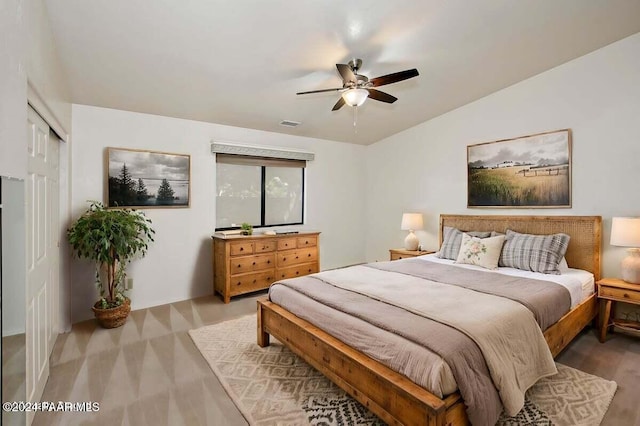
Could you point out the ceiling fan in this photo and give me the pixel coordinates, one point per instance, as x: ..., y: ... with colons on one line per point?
x: 356, y: 88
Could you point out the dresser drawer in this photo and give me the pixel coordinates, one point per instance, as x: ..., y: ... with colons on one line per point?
x: 295, y: 257
x: 241, y: 265
x: 297, y: 271
x: 620, y: 294
x: 246, y: 283
x: 241, y: 248
x: 264, y: 246
x: 303, y: 242
x: 287, y: 243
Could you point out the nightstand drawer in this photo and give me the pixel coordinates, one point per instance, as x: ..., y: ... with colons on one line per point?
x: 621, y: 294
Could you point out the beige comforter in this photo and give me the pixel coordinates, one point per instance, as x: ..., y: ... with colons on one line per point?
x: 511, y: 341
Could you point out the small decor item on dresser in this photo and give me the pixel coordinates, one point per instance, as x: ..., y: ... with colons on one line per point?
x: 625, y: 232
x: 247, y: 229
x: 411, y: 222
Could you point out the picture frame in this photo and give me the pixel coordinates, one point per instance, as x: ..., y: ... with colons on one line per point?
x: 532, y: 171
x: 147, y: 179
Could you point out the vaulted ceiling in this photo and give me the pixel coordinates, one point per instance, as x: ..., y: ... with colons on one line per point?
x: 241, y: 62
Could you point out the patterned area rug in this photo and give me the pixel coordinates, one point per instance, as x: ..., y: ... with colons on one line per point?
x: 274, y: 386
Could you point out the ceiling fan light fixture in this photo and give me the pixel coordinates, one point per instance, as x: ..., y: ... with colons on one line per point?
x: 355, y: 97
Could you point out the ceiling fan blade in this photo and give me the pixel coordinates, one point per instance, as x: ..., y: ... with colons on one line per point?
x: 346, y: 73
x: 319, y: 91
x: 394, y: 78
x: 338, y: 104
x: 381, y: 96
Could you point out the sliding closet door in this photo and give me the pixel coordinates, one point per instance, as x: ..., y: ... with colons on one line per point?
x: 42, y: 246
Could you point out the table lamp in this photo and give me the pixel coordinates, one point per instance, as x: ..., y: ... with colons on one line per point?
x: 625, y: 232
x: 411, y: 222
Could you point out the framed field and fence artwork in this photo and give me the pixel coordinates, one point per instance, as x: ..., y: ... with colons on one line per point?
x: 526, y: 172
x: 147, y: 179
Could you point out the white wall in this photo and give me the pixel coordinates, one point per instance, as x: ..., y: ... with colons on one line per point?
x: 597, y: 96
x: 28, y: 54
x: 178, y: 264
x: 13, y: 260
x: 28, y: 59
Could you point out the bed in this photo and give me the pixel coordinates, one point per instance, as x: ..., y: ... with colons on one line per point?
x: 391, y: 395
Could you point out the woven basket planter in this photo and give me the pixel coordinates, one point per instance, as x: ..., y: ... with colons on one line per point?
x: 113, y: 317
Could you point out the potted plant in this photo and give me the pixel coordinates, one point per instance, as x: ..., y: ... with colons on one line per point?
x: 247, y: 229
x: 111, y: 238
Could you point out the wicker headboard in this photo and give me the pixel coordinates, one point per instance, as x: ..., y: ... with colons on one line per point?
x: 585, y: 232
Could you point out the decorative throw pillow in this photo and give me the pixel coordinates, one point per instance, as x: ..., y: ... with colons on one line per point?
x: 483, y: 252
x: 537, y: 253
x: 451, y: 240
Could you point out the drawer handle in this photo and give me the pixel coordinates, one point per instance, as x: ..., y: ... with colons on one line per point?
x: 268, y: 261
x: 268, y: 278
x: 309, y: 255
x: 309, y: 270
x: 296, y: 257
x: 284, y: 259
x: 254, y: 263
x: 286, y: 245
x: 239, y: 283
x: 282, y: 275
x: 254, y: 281
x: 297, y: 272
x: 239, y: 265
x: 241, y: 248
x: 625, y: 295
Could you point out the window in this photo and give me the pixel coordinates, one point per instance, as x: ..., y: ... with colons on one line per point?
x: 259, y: 191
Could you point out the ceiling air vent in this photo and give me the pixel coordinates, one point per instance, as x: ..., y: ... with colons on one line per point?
x: 289, y: 123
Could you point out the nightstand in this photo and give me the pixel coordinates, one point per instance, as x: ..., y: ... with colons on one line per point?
x: 612, y: 290
x: 395, y: 254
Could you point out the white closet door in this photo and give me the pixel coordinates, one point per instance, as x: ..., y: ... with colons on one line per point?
x: 42, y: 255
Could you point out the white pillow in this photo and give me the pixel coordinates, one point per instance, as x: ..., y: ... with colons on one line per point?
x: 563, y: 266
x: 483, y: 252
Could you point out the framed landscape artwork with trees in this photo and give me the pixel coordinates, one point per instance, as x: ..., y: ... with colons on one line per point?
x: 147, y: 179
x: 526, y: 172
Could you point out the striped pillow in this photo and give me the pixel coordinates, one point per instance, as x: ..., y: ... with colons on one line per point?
x: 537, y: 253
x: 452, y: 239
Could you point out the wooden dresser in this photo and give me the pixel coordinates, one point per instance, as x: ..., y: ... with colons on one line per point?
x: 243, y: 264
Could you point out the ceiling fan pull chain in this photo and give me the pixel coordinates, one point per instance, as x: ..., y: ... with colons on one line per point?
x: 355, y: 119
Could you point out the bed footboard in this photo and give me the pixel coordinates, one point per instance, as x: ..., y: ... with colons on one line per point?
x: 388, y: 394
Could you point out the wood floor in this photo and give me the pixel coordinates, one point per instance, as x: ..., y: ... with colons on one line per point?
x: 149, y: 371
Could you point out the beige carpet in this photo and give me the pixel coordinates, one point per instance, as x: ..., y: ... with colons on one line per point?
x: 273, y: 386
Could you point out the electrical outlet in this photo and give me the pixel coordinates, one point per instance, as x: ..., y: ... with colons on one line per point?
x: 129, y: 283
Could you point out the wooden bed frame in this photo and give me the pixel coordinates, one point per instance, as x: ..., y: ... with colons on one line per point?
x: 392, y: 396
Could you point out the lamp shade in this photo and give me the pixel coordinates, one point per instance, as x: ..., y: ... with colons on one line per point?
x: 411, y: 221
x: 625, y: 232
x: 355, y: 97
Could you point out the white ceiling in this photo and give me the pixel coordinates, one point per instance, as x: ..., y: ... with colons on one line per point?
x: 241, y: 62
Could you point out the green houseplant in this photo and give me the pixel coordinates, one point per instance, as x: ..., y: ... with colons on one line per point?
x: 110, y: 238
x: 247, y: 229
